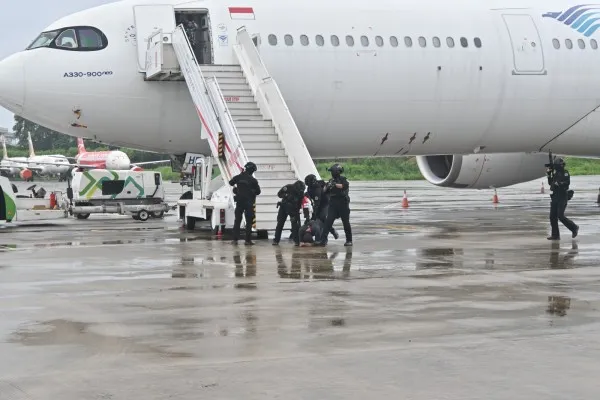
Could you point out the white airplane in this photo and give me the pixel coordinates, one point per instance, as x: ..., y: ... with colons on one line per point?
x: 15, y: 166
x: 478, y: 90
x: 47, y: 165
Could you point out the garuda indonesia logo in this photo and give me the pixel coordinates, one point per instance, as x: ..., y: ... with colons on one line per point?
x: 584, y: 18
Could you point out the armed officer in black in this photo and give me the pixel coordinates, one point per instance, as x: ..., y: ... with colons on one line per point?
x: 559, y: 181
x: 339, y: 203
x: 246, y: 188
x: 315, y: 189
x: 291, y: 196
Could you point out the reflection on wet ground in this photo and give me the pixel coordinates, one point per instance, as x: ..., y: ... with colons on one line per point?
x: 443, y: 300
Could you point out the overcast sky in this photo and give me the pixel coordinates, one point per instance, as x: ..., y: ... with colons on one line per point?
x: 23, y: 20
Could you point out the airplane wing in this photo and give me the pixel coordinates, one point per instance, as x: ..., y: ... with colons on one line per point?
x: 150, y: 162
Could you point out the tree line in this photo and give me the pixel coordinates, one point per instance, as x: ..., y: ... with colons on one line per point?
x: 47, y: 141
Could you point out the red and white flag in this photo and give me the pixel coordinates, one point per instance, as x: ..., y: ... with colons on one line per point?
x: 241, y: 12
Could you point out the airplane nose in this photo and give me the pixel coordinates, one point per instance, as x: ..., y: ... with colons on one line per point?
x: 12, y: 83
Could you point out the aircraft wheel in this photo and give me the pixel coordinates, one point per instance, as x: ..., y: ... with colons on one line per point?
x: 143, y: 215
x: 158, y: 214
x: 190, y: 223
x: 82, y: 216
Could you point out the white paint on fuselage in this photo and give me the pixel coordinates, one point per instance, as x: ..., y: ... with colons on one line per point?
x: 344, y: 99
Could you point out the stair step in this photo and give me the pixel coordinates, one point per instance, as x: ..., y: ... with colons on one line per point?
x: 224, y: 74
x: 221, y: 67
x: 269, y: 162
x: 263, y: 175
x: 245, y: 112
x: 227, y: 86
x: 252, y: 125
x: 235, y: 99
x: 274, y: 167
x: 275, y: 184
x: 261, y: 137
x: 237, y: 92
x: 253, y: 153
x: 222, y: 81
x: 240, y: 105
x: 264, y: 145
x: 257, y: 130
x: 248, y: 118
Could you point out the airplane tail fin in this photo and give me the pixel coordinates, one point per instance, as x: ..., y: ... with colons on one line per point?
x: 80, y: 146
x: 4, y: 152
x: 31, y: 151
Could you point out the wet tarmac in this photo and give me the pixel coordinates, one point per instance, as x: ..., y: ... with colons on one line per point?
x: 452, y: 298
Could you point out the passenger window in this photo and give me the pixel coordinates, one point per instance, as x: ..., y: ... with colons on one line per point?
x: 436, y: 41
x: 304, y: 40
x: 464, y: 42
x: 450, y: 42
x: 273, y: 40
x: 67, y: 39
x: 556, y: 43
x: 335, y: 41
x: 364, y: 40
x: 394, y: 41
x: 90, y: 39
x: 320, y: 41
x: 568, y: 44
x: 289, y: 40
x: 594, y: 44
x: 581, y: 43
x: 477, y: 42
x: 408, y: 41
x: 422, y: 41
x: 379, y: 41
x: 349, y: 40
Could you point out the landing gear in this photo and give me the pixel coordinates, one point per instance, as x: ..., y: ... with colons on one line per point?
x: 82, y: 216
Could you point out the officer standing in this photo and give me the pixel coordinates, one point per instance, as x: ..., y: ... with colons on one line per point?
x: 245, y: 191
x: 339, y: 203
x: 316, y: 192
x: 559, y: 181
x: 291, y: 196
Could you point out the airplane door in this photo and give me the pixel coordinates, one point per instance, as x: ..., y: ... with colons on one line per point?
x: 528, y: 56
x: 148, y: 19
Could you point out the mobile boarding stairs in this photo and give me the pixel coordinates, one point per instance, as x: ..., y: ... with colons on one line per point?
x: 243, y: 117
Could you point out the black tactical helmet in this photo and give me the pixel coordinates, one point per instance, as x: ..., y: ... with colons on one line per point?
x: 336, y: 169
x: 250, y: 167
x: 310, y: 180
x: 300, y: 186
x: 559, y: 161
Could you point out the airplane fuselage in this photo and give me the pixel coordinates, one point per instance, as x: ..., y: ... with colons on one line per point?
x: 438, y: 77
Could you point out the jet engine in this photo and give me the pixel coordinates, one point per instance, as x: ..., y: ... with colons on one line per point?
x: 482, y: 171
x: 26, y: 174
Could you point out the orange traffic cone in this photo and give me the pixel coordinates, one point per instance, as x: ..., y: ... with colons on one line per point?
x: 405, y: 201
x: 542, y: 191
x: 495, y: 199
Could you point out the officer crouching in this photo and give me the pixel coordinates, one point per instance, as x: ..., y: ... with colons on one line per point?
x: 339, y: 203
x: 559, y: 181
x: 291, y: 201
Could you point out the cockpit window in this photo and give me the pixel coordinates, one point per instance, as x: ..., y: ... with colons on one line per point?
x: 43, y: 40
x: 67, y: 39
x: 83, y: 38
x: 90, y: 38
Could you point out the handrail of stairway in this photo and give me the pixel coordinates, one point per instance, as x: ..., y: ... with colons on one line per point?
x: 199, y: 92
x: 273, y: 105
x: 237, y: 157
